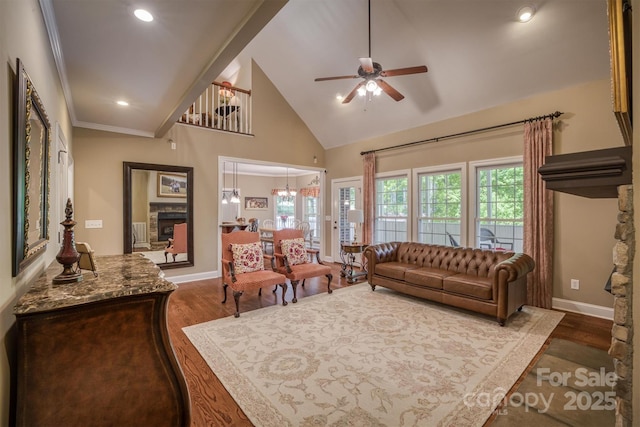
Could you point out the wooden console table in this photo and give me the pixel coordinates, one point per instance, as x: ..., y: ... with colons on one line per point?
x: 97, y: 352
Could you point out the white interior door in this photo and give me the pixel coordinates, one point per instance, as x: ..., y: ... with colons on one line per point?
x: 346, y: 195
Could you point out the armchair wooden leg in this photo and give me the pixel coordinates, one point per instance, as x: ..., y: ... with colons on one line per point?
x: 284, y: 291
x: 330, y: 277
x: 224, y: 287
x: 165, y: 257
x: 260, y: 292
x: 275, y: 288
x: 236, y: 297
x: 294, y: 284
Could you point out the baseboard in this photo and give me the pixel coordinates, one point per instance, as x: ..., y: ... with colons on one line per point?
x: 193, y: 277
x: 583, y: 308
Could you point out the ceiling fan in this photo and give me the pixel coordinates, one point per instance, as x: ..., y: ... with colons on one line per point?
x: 372, y: 72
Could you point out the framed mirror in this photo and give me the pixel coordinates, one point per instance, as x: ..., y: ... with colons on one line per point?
x: 30, y: 173
x: 157, y: 201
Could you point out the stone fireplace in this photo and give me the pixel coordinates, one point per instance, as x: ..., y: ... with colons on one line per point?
x: 607, y: 174
x: 162, y: 217
x: 621, y: 349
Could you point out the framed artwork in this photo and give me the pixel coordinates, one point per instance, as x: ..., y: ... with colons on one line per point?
x: 172, y: 184
x: 620, y: 49
x: 31, y: 172
x: 256, y: 203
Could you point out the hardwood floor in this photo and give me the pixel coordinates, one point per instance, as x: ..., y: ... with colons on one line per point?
x: 200, y: 301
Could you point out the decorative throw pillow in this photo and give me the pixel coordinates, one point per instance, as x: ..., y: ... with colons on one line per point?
x: 294, y: 250
x: 247, y: 257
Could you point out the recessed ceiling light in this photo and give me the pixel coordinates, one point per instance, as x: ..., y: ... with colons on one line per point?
x: 122, y: 103
x: 143, y: 15
x: 339, y: 97
x: 526, y: 13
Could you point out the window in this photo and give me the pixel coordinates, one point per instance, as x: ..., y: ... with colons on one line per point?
x: 285, y: 211
x: 440, y: 201
x: 499, y: 206
x: 347, y: 199
x: 392, y: 208
x: 310, y: 209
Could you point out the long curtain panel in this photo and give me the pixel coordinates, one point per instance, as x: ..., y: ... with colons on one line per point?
x: 538, y: 212
x: 368, y: 196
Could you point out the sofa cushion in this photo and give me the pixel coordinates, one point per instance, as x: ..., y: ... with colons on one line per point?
x: 394, y: 270
x: 425, y: 276
x: 473, y: 286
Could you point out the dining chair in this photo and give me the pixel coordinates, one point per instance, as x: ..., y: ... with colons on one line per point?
x: 243, y: 267
x: 266, y: 233
x: 306, y: 231
x: 295, y: 261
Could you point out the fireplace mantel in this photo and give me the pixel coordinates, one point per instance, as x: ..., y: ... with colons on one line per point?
x: 593, y: 174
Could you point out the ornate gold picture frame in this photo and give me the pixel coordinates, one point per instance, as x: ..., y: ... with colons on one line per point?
x: 620, y: 50
x: 31, y: 172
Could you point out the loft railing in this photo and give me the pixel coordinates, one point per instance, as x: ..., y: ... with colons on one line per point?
x: 221, y: 107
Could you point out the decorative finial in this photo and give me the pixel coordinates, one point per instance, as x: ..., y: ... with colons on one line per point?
x: 68, y: 255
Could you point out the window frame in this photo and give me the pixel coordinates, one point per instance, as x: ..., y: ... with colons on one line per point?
x: 401, y: 173
x: 473, y: 199
x: 452, y: 167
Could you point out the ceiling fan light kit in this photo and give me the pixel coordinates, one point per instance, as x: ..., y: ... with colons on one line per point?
x: 372, y: 72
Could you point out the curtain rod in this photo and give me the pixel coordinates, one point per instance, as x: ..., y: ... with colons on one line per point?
x: 553, y: 115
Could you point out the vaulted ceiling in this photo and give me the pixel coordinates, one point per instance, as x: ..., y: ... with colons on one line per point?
x: 477, y: 53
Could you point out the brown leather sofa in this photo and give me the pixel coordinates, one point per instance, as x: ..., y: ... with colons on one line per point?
x: 485, y: 281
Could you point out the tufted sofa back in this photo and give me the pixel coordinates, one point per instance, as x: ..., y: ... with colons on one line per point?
x: 473, y: 262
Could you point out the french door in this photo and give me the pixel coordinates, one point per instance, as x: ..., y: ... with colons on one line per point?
x: 346, y: 195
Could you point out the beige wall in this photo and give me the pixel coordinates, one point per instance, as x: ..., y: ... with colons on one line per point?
x: 584, y: 228
x: 22, y: 35
x: 99, y: 156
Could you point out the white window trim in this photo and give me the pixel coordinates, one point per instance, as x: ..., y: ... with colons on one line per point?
x: 401, y: 173
x: 473, y: 167
x: 415, y: 197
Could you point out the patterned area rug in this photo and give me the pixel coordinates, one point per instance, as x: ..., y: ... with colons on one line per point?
x: 363, y: 358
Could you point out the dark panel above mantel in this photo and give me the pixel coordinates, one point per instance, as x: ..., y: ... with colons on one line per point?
x: 593, y: 174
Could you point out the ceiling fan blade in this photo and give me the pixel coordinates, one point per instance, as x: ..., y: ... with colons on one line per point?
x: 390, y: 90
x: 322, y: 79
x: 349, y: 97
x: 404, y: 71
x: 367, y: 65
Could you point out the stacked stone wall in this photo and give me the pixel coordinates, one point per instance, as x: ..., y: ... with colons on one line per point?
x: 621, y: 349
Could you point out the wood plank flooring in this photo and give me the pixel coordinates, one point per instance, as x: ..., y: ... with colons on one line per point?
x: 200, y: 301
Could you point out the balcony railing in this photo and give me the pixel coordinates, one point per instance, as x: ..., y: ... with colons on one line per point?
x: 221, y: 107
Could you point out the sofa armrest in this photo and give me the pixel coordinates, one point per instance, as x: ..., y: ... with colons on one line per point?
x: 519, y: 265
x: 511, y: 277
x: 382, y: 252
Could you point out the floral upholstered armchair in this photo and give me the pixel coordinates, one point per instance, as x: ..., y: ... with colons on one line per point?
x: 295, y: 261
x: 243, y: 266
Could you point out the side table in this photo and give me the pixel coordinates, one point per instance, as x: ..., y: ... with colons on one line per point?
x: 348, y: 253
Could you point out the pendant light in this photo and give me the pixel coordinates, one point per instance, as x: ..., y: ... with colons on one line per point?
x: 235, y: 195
x: 225, y: 201
x: 287, y: 193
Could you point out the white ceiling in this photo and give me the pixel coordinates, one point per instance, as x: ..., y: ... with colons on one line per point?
x: 478, y: 56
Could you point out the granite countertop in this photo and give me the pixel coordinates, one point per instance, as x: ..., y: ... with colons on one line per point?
x: 118, y: 276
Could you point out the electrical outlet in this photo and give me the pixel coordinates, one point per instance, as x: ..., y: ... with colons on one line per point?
x: 93, y: 223
x: 575, y: 284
